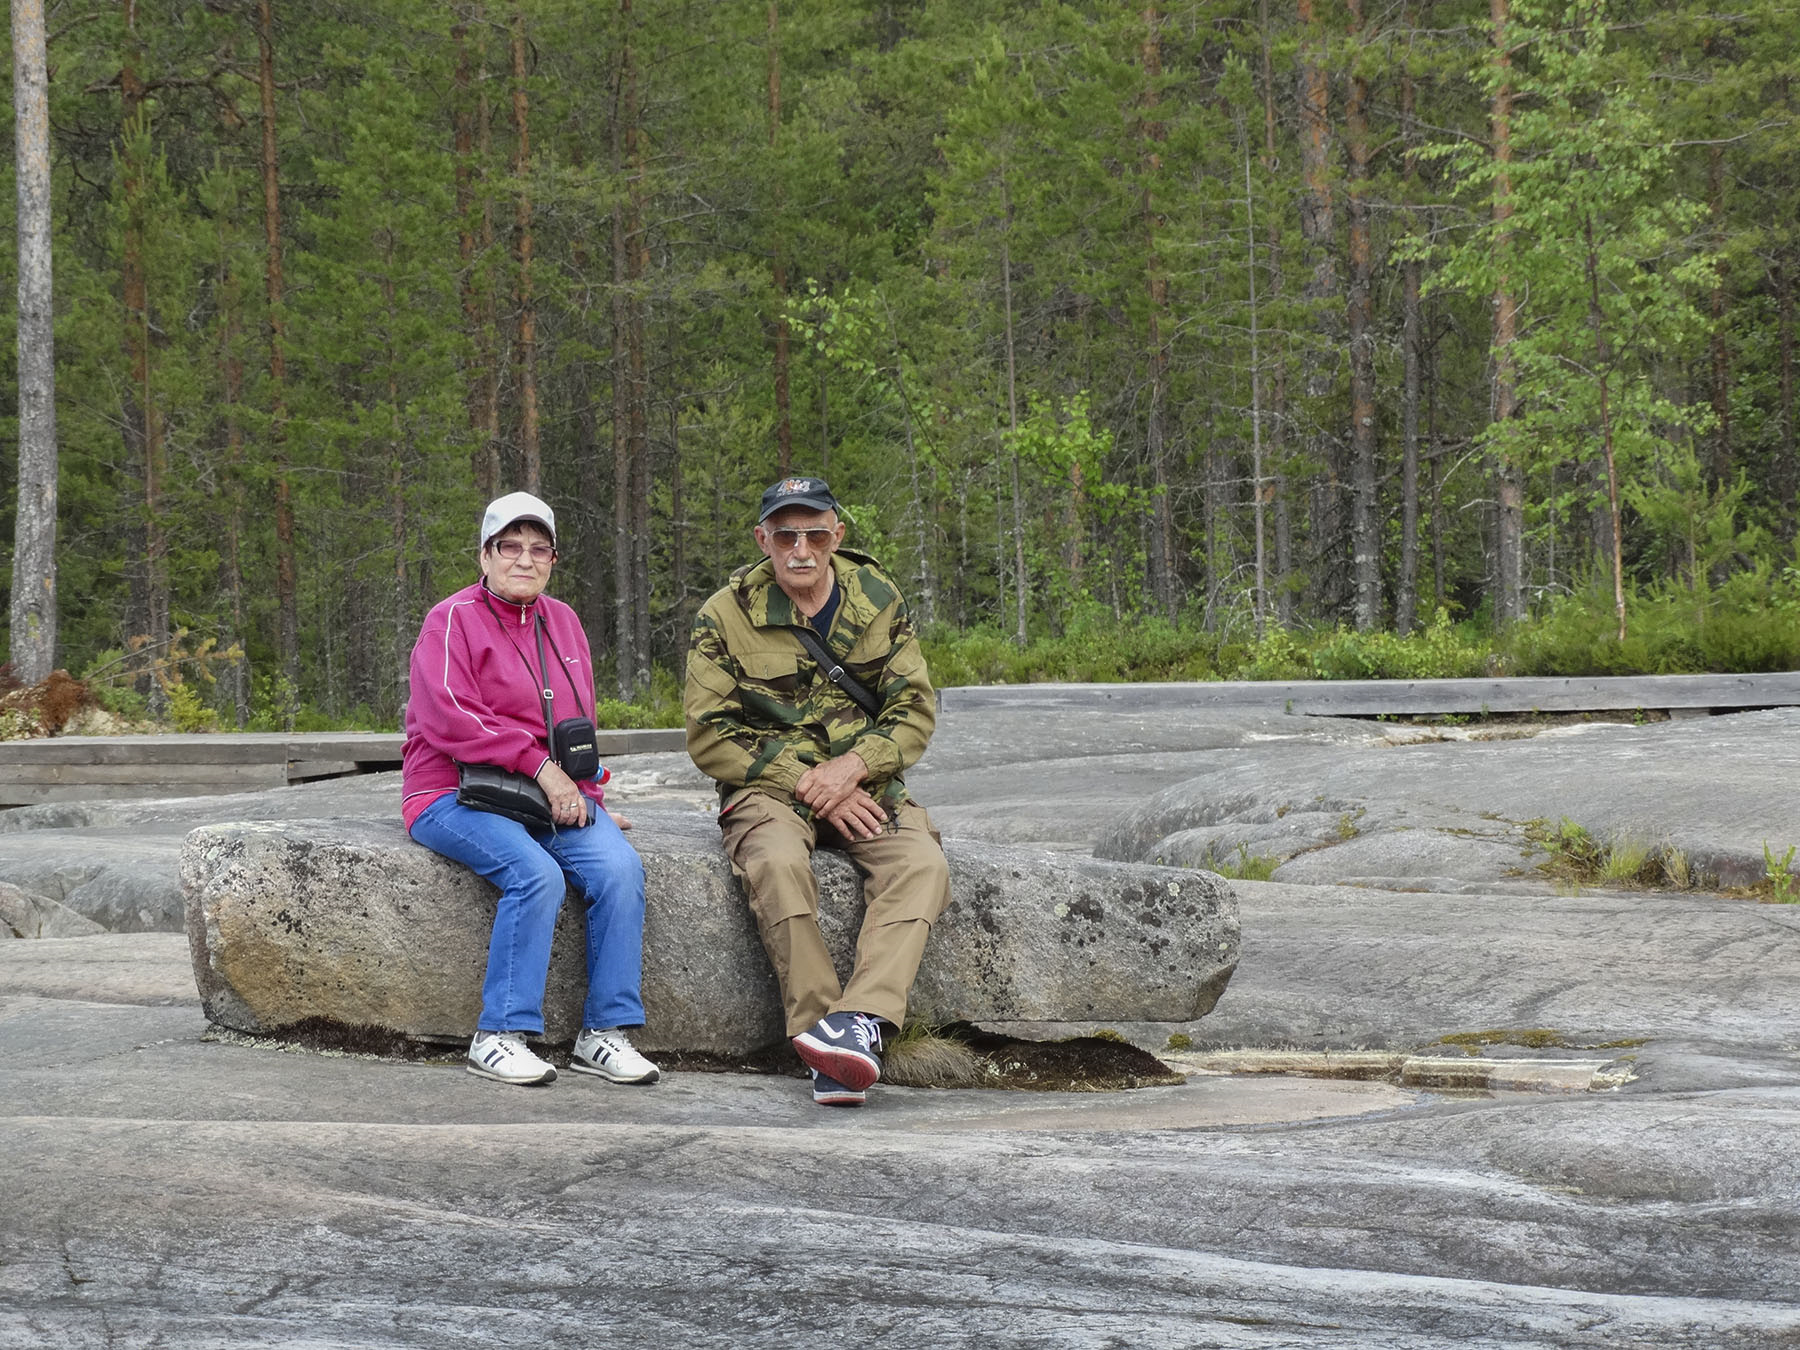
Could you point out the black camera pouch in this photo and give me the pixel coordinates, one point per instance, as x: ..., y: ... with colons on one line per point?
x: 574, y: 746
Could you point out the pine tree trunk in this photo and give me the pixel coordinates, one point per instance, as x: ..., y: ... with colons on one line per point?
x: 1509, y: 477
x: 33, y: 631
x: 482, y: 393
x: 625, y: 653
x: 1077, y: 528
x: 139, y: 416
x: 1020, y: 587
x: 1277, y: 486
x: 401, y: 626
x: 784, y: 430
x: 926, y: 599
x: 1317, y: 229
x: 488, y: 354
x: 1788, y: 479
x: 1720, y: 468
x: 1433, y: 458
x: 640, y: 422
x: 1602, y: 366
x: 287, y: 585
x: 1000, y: 533
x: 595, y: 528
x: 231, y: 366
x: 1365, y: 535
x: 1259, y: 596
x: 1406, y: 584
x: 531, y: 468
x: 637, y: 252
x: 1162, y: 530
x: 677, y: 504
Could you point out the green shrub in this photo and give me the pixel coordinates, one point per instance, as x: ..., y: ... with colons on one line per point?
x: 1750, y: 622
x: 188, y: 711
x: 659, y: 707
x: 1438, y: 651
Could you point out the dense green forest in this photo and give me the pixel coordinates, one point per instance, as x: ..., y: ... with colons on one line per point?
x: 1230, y: 317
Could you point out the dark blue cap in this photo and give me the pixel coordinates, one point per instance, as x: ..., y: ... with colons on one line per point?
x: 810, y: 492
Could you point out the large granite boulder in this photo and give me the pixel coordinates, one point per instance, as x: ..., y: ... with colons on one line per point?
x: 348, y: 924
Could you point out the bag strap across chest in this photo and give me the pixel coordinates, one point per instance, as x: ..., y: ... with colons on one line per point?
x: 834, y: 671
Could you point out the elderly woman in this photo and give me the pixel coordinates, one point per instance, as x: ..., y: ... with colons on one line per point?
x: 483, y: 690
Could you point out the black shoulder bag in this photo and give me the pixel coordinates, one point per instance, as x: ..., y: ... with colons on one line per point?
x: 834, y: 671
x: 573, y: 746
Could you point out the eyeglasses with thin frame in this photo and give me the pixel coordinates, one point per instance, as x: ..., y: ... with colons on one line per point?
x: 512, y: 548
x: 818, y: 539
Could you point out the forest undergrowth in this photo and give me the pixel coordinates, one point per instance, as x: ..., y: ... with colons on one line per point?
x: 1750, y: 623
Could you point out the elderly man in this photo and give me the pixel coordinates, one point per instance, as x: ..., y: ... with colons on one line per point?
x: 808, y: 748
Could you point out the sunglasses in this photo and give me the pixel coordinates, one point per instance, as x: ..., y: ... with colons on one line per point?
x: 815, y: 539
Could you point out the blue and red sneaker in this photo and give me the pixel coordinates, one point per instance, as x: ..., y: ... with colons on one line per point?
x: 845, y: 1046
x: 827, y: 1091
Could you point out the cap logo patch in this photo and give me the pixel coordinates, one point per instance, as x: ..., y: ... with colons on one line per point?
x: 792, y: 485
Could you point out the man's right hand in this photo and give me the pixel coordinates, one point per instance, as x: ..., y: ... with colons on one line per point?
x: 859, y: 816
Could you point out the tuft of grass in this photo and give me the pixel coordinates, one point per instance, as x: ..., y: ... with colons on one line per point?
x: 1575, y: 855
x: 1180, y: 1040
x: 920, y: 1056
x: 1779, y: 876
x: 1246, y: 867
x: 1678, y: 874
x: 1580, y: 859
x: 1627, y: 861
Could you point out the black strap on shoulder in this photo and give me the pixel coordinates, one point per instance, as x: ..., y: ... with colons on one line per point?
x: 835, y: 672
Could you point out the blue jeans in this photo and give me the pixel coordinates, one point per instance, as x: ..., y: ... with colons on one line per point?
x: 529, y: 866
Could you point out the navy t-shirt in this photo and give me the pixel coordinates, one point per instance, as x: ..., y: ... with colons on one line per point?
x: 821, y: 621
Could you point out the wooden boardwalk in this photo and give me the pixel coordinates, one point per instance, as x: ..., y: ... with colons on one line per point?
x: 81, y: 768
x: 1405, y: 698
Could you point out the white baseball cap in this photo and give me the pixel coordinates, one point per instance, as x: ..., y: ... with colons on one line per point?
x: 512, y: 508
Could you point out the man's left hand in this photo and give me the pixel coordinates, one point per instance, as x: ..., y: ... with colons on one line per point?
x: 825, y: 787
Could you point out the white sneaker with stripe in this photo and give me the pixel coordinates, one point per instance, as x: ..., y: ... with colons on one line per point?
x: 503, y: 1056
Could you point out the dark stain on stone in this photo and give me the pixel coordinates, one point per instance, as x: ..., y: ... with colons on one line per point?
x: 1087, y: 908
x: 1080, y: 1064
x: 325, y: 1033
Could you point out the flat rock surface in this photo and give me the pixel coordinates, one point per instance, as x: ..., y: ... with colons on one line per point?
x: 172, y: 1189
x: 1651, y: 979
x: 1718, y: 789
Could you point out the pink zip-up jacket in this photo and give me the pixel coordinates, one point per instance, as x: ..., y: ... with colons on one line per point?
x: 474, y: 697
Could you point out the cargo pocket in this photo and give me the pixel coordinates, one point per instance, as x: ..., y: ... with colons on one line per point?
x: 769, y: 849
x: 909, y: 869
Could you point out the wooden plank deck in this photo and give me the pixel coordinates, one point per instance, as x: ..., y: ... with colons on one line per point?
x: 1404, y: 698
x: 83, y: 768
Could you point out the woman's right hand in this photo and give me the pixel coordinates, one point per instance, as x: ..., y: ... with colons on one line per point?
x: 567, y: 804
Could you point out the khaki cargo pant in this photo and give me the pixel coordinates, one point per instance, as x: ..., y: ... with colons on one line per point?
x: 906, y: 885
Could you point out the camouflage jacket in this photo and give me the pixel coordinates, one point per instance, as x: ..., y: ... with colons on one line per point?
x: 760, y: 712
